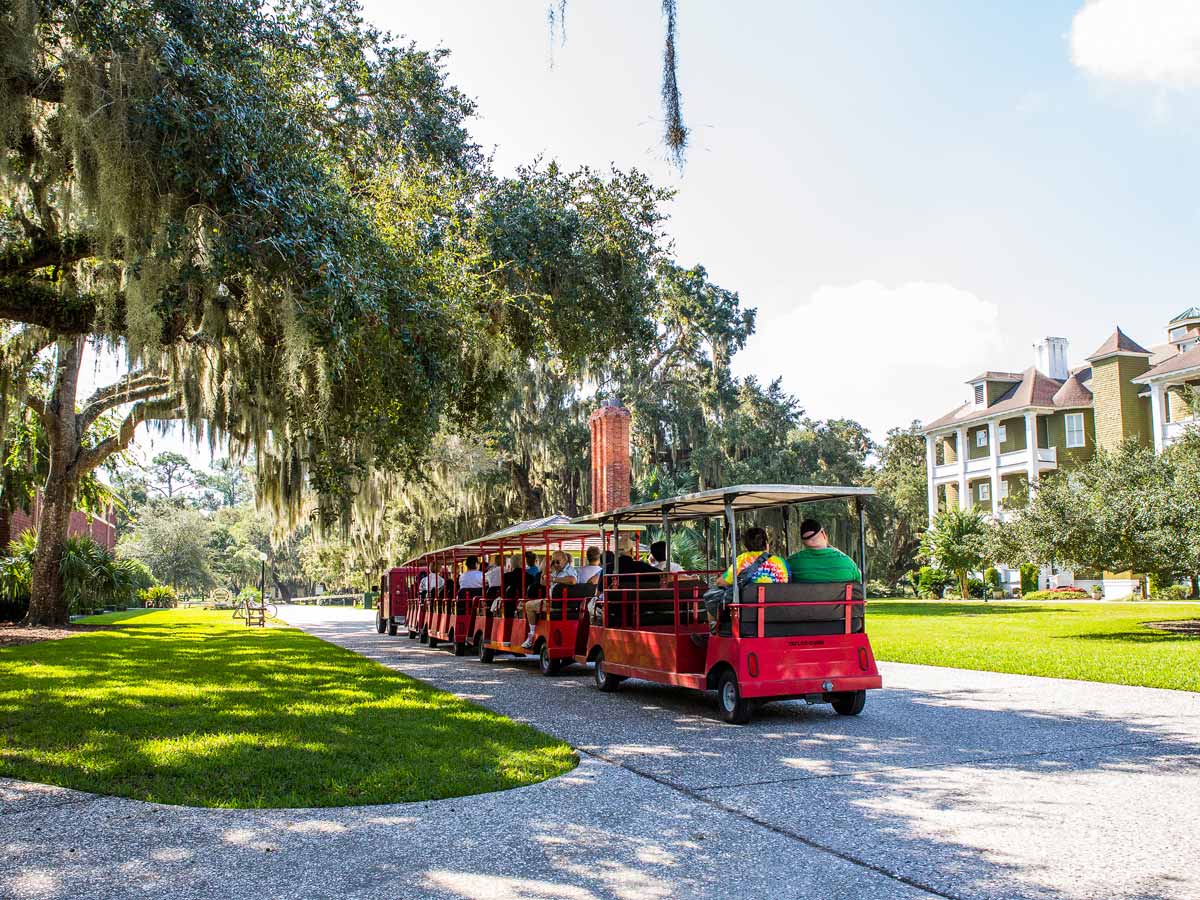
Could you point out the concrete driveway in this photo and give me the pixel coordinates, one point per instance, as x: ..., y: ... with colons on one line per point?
x: 951, y: 784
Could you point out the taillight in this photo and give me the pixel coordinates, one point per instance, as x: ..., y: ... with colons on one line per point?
x: 862, y: 658
x: 752, y: 665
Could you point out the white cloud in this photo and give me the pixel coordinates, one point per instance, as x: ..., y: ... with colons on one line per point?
x: 881, y: 355
x: 1155, y: 42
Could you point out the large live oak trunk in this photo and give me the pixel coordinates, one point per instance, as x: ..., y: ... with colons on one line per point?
x: 48, y: 604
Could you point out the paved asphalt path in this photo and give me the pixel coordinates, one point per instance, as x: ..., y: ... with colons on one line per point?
x: 952, y: 784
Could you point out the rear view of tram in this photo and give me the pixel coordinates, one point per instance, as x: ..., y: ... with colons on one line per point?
x: 769, y: 641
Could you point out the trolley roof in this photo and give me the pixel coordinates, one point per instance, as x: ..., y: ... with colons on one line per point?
x: 532, y: 532
x: 742, y: 497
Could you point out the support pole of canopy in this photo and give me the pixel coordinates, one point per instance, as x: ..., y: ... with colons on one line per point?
x: 787, y: 550
x: 862, y: 541
x: 731, y: 529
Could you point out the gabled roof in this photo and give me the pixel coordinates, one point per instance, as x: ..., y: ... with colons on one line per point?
x: 1192, y: 312
x: 1035, y: 391
x: 1180, y: 362
x: 1119, y: 342
x: 1074, y: 392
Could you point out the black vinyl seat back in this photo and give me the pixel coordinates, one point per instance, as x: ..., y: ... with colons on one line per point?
x: 577, y: 596
x: 462, y: 604
x: 655, y: 607
x: 494, y: 592
x: 826, y: 615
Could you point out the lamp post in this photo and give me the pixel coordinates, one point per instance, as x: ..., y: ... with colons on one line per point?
x: 262, y: 580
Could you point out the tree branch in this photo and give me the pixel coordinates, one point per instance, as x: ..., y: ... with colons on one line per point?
x: 37, y: 302
x: 43, y: 251
x: 156, y: 410
x: 140, y: 385
x: 43, y: 86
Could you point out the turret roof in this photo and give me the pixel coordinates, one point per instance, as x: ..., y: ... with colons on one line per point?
x: 1119, y: 342
x: 1192, y: 312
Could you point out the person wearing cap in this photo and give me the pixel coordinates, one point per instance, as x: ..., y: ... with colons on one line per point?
x: 818, y: 562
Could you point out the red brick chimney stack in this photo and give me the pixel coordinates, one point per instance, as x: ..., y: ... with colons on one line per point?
x: 610, y: 456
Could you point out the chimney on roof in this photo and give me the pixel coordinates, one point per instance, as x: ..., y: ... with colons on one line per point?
x: 1050, y: 358
x: 610, y: 456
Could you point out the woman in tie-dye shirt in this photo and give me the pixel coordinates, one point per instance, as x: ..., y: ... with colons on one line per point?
x: 772, y: 571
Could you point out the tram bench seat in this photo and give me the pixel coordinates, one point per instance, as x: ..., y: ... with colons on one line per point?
x: 462, y: 604
x: 791, y: 621
x: 577, y: 596
x: 656, y: 606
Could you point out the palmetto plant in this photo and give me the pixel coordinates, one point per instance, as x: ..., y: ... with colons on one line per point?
x: 92, y: 576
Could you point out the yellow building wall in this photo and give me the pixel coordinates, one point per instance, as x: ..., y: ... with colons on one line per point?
x: 1119, y: 414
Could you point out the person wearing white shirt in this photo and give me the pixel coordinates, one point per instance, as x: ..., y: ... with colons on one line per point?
x: 560, y: 571
x: 495, y: 573
x: 658, y: 558
x: 590, y: 573
x: 429, y: 582
x: 472, y: 578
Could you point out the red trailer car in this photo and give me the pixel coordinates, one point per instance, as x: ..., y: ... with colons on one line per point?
x: 397, y: 590
x: 773, y: 642
x: 500, y: 625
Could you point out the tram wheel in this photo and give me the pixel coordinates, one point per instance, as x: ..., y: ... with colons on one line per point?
x: 546, y: 665
x: 850, y: 703
x: 424, y: 635
x: 486, y: 653
x: 380, y: 624
x: 411, y: 634
x: 604, y: 681
x: 460, y: 649
x: 391, y: 628
x: 433, y: 642
x: 735, y: 709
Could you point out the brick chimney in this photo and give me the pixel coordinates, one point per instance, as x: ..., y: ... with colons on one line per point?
x: 610, y: 456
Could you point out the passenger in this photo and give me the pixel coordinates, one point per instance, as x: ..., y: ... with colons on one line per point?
x: 773, y: 569
x: 658, y: 558
x: 532, y: 571
x: 560, y: 572
x: 513, y: 580
x: 590, y: 573
x: 635, y: 569
x: 818, y: 562
x: 431, y: 581
x: 472, y: 579
x: 494, y: 575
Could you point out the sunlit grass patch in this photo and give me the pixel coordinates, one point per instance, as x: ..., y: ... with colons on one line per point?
x: 1110, y: 642
x: 189, y: 707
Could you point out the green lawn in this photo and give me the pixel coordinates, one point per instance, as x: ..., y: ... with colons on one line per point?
x: 187, y: 707
x: 1093, y: 642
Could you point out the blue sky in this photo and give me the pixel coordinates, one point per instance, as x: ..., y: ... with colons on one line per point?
x: 908, y: 193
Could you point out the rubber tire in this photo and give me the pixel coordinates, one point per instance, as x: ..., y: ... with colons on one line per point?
x: 486, y: 653
x: 391, y: 628
x: 546, y: 665
x: 424, y: 635
x: 604, y: 681
x: 433, y: 642
x: 380, y: 625
x: 733, y: 707
x: 849, y: 704
x: 460, y: 649
x: 412, y: 635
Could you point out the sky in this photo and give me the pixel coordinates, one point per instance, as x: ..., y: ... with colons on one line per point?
x: 907, y: 193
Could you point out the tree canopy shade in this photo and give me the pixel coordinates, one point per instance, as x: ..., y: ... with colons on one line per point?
x: 278, y: 215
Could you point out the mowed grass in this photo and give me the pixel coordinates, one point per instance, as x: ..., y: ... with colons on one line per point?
x: 188, y: 707
x: 1091, y: 642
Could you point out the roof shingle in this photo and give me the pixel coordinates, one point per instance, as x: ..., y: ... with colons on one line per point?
x: 1119, y: 342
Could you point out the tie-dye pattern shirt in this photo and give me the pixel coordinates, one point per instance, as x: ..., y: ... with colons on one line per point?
x: 773, y: 570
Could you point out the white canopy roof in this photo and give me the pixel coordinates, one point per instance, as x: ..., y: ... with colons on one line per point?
x: 707, y: 504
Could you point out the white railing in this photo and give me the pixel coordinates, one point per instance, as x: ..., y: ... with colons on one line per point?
x: 1173, y: 431
x: 1048, y: 455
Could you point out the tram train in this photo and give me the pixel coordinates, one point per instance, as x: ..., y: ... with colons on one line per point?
x: 772, y: 642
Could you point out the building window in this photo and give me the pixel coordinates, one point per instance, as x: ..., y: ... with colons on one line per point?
x: 978, y: 395
x: 1002, y: 490
x: 981, y: 437
x: 1177, y: 334
x: 1002, y: 433
x: 1074, y: 429
x: 985, y: 491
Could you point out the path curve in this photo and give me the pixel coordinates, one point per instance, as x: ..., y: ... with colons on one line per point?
x: 953, y: 783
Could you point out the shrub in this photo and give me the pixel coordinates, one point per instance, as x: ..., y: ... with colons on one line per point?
x: 1056, y: 594
x: 878, y: 588
x: 976, y: 588
x: 1170, y: 592
x: 932, y: 581
x: 991, y: 577
x: 1029, y: 578
x: 251, y: 593
x: 160, y: 596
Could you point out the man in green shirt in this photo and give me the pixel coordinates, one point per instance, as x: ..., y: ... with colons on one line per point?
x: 818, y: 562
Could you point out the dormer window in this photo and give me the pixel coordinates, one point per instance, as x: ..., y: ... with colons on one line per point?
x: 1178, y: 334
x: 979, y: 394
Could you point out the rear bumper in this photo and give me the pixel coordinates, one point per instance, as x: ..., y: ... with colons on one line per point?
x: 800, y: 687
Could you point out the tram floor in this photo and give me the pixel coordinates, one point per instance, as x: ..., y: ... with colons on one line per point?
x: 952, y: 783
